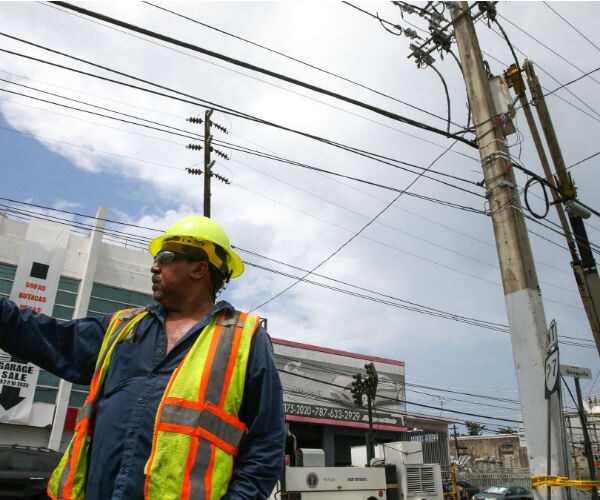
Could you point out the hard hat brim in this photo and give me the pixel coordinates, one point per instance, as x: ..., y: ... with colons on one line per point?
x: 235, y: 264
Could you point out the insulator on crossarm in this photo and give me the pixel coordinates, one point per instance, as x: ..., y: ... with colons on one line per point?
x: 195, y: 147
x: 193, y: 119
x: 221, y: 154
x: 220, y: 127
x: 222, y: 178
x: 194, y: 171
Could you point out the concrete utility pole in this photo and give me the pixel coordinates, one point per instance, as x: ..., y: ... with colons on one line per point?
x: 584, y: 265
x: 526, y: 319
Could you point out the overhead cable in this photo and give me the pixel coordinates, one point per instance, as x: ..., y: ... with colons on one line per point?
x: 195, y: 100
x: 353, y: 237
x: 141, y: 242
x: 572, y: 26
x: 237, y: 62
x: 294, y: 59
x: 568, y: 61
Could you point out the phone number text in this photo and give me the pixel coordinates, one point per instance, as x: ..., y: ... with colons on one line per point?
x: 321, y: 412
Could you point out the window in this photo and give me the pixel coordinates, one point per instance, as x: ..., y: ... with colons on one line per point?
x: 106, y: 299
x: 7, y: 276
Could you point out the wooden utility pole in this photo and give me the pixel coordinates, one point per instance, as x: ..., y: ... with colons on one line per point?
x: 526, y: 319
x: 207, y: 163
x: 584, y: 265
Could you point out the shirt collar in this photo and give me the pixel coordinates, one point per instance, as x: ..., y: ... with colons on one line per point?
x: 159, y: 310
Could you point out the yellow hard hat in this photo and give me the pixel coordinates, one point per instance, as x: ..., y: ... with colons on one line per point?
x: 202, y: 232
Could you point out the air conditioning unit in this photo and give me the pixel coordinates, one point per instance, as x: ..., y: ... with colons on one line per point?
x: 421, y: 481
x: 417, y: 481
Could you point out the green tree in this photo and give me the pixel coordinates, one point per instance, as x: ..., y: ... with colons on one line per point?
x: 474, y: 428
x: 506, y: 430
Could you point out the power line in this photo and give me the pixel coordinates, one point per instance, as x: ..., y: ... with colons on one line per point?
x: 580, y: 33
x: 572, y: 81
x: 398, y: 400
x: 101, y: 115
x: 348, y: 371
x: 568, y: 61
x: 585, y: 159
x: 263, y: 81
x: 371, y: 155
x: 295, y: 60
x: 560, y: 83
x: 89, y: 148
x: 196, y: 101
x: 264, y: 155
x: 353, y: 237
x: 95, y: 113
x: 390, y: 161
x: 561, y: 98
x: 176, y: 129
x: 141, y: 242
x: 237, y: 62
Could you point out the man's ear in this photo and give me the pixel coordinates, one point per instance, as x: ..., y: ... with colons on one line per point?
x: 199, y: 270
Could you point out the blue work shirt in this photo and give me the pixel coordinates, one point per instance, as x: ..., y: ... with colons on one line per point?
x: 137, y: 377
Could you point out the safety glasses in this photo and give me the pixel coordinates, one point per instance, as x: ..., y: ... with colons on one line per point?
x: 167, y: 256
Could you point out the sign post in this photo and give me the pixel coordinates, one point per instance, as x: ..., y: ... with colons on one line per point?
x: 551, y: 378
x: 577, y: 372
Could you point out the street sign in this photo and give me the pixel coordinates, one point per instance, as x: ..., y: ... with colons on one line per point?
x: 552, y: 371
x: 575, y: 371
x: 552, y: 336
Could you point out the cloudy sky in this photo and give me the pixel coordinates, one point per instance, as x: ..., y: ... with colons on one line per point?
x: 394, y: 274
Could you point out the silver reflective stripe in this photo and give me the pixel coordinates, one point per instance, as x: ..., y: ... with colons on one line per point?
x: 205, y: 419
x: 65, y: 473
x: 201, y: 463
x: 216, y: 380
x: 87, y: 411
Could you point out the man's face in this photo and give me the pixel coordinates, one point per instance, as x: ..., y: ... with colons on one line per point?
x: 171, y: 277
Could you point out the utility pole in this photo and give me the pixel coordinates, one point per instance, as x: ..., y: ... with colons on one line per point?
x: 584, y: 265
x: 526, y: 319
x: 208, y: 163
x: 586, y: 438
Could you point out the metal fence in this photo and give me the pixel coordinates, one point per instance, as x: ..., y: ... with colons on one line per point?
x: 435, y: 446
x: 514, y: 477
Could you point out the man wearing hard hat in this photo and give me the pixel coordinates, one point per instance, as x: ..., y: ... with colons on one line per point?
x: 185, y: 400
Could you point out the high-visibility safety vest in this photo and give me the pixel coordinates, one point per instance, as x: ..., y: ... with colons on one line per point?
x: 197, y: 432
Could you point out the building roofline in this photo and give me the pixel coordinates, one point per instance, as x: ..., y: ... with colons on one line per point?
x: 327, y: 350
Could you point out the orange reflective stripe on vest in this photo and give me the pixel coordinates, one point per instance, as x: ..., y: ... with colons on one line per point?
x: 198, y: 415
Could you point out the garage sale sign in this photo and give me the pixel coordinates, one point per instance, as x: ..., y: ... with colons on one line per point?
x: 34, y: 287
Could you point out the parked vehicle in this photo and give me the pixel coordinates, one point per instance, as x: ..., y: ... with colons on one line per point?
x: 504, y: 492
x: 465, y: 490
x: 25, y: 470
